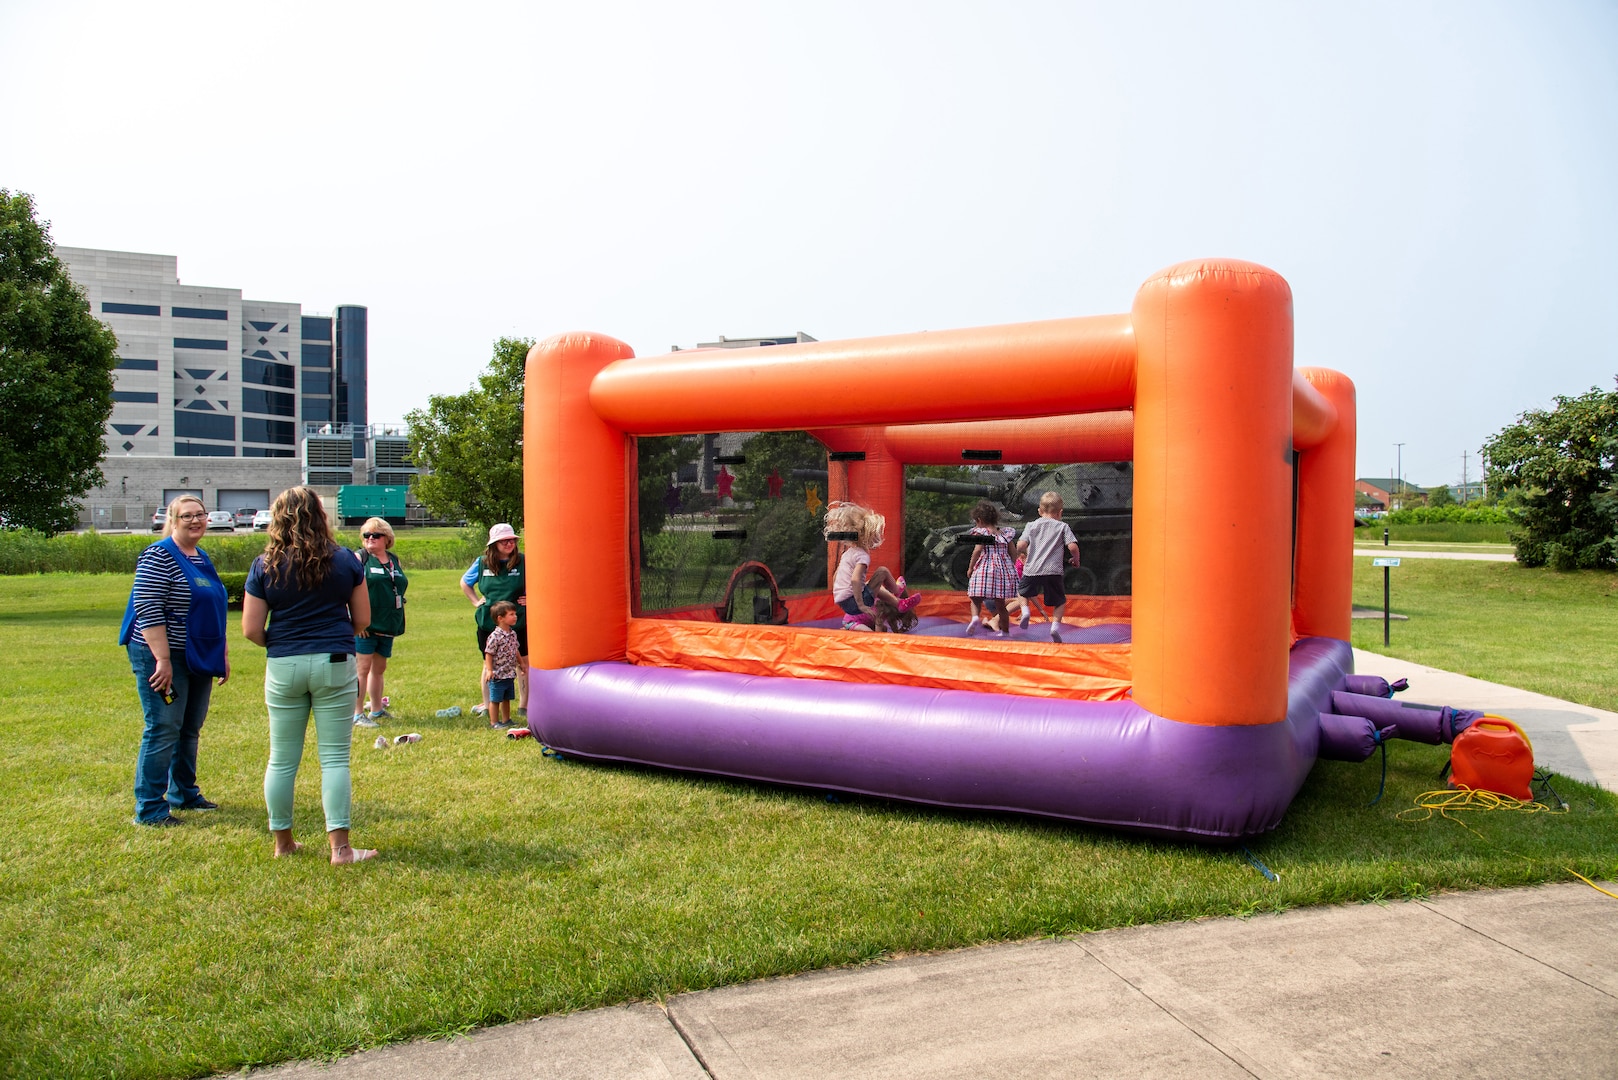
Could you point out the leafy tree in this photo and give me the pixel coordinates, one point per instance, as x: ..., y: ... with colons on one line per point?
x: 1440, y: 496
x: 56, y: 364
x: 1554, y: 469
x: 471, y: 443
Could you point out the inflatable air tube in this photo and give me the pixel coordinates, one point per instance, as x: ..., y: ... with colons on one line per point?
x: 1112, y: 764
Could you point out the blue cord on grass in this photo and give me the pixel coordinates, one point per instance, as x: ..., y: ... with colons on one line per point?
x: 1265, y: 870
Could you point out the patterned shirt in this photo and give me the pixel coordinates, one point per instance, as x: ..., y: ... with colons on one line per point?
x: 163, y: 593
x: 503, y: 653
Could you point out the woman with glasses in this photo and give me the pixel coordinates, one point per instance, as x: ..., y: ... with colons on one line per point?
x: 499, y: 575
x: 174, y: 629
x: 317, y: 595
x: 386, y: 582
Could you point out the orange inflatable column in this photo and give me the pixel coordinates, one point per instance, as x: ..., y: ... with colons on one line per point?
x: 877, y: 483
x: 1213, y: 493
x: 1324, y: 583
x: 574, y: 470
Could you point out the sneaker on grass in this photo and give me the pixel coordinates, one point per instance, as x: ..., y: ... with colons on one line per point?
x: 361, y: 720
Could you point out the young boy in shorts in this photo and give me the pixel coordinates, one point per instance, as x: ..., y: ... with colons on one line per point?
x: 1041, y: 548
x: 501, y: 656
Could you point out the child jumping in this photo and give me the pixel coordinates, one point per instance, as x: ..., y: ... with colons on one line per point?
x: 857, y: 585
x: 1041, y: 546
x: 991, y: 579
x: 501, y: 655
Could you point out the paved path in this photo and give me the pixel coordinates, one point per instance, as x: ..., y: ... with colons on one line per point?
x: 1509, y: 983
x: 1512, y: 983
x: 1406, y: 553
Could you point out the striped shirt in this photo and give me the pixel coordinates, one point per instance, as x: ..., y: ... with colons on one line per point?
x: 163, y: 594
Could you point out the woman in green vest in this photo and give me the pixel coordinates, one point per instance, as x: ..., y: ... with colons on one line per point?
x: 386, y: 582
x: 500, y: 575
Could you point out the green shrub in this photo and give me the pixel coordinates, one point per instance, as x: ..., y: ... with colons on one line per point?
x: 1437, y: 515
x: 90, y: 552
x: 235, y: 588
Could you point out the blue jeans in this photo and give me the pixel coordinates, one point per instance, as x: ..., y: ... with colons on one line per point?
x: 166, y: 770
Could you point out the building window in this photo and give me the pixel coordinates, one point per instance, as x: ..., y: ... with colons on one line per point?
x: 316, y: 355
x: 265, y: 451
x: 139, y: 396
x: 192, y: 425
x: 316, y: 328
x: 108, y: 307
x: 265, y: 374
x: 269, y: 402
x: 317, y: 382
x: 182, y: 449
x: 127, y: 364
x: 200, y: 343
x: 317, y: 409
x: 283, y: 432
x: 199, y: 313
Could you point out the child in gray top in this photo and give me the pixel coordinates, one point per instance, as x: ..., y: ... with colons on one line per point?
x: 1041, y: 548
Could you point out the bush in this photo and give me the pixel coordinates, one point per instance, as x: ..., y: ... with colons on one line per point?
x: 1439, y: 515
x: 235, y: 588
x: 90, y: 552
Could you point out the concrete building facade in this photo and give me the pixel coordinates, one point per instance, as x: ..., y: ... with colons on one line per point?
x: 205, y: 374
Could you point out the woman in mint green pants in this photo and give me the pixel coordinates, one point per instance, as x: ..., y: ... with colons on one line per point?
x: 317, y: 596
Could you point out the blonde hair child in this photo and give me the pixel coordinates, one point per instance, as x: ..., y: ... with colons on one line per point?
x: 857, y: 584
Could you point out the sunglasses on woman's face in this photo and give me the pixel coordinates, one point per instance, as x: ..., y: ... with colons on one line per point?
x: 374, y: 536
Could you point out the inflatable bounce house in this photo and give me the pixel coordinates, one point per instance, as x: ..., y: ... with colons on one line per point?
x: 1193, y: 707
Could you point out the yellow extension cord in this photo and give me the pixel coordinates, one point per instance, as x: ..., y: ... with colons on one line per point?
x: 1446, y: 800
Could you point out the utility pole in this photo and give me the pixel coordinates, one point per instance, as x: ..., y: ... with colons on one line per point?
x: 1464, y: 488
x: 1399, y: 473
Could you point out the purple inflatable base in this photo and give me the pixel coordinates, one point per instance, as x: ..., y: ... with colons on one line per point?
x: 1110, y: 764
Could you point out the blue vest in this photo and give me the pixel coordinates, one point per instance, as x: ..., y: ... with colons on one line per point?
x: 204, y: 624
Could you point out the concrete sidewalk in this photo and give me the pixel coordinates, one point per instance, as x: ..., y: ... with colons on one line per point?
x: 1507, y: 983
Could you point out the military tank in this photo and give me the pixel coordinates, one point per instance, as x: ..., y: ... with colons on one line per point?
x: 1097, y: 504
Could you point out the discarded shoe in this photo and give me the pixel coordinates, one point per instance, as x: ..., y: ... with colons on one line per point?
x: 412, y: 737
x: 449, y: 713
x: 381, y: 742
x: 519, y: 733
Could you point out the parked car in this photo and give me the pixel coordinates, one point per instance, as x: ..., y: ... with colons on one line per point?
x: 160, y: 518
x: 261, y: 521
x: 245, y: 516
x: 221, y: 521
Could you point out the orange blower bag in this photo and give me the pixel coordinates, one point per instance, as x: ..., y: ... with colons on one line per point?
x: 1494, y: 755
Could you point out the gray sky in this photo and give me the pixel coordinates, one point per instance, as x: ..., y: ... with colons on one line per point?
x: 1437, y: 181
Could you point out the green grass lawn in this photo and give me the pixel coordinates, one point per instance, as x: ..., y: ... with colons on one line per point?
x: 1536, y: 629
x: 511, y: 885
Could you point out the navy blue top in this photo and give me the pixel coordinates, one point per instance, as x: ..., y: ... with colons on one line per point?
x: 304, y: 623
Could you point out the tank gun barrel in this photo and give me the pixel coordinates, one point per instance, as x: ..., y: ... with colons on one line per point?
x: 923, y: 483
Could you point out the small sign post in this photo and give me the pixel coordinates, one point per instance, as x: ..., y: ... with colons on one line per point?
x: 1386, y: 565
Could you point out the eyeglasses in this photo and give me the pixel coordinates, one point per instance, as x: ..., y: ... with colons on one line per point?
x: 373, y: 536
x: 191, y: 517
x: 508, y: 540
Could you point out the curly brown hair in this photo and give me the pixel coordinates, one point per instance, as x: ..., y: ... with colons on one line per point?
x: 301, y: 543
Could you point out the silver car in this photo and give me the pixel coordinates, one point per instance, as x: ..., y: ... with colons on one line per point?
x: 221, y: 521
